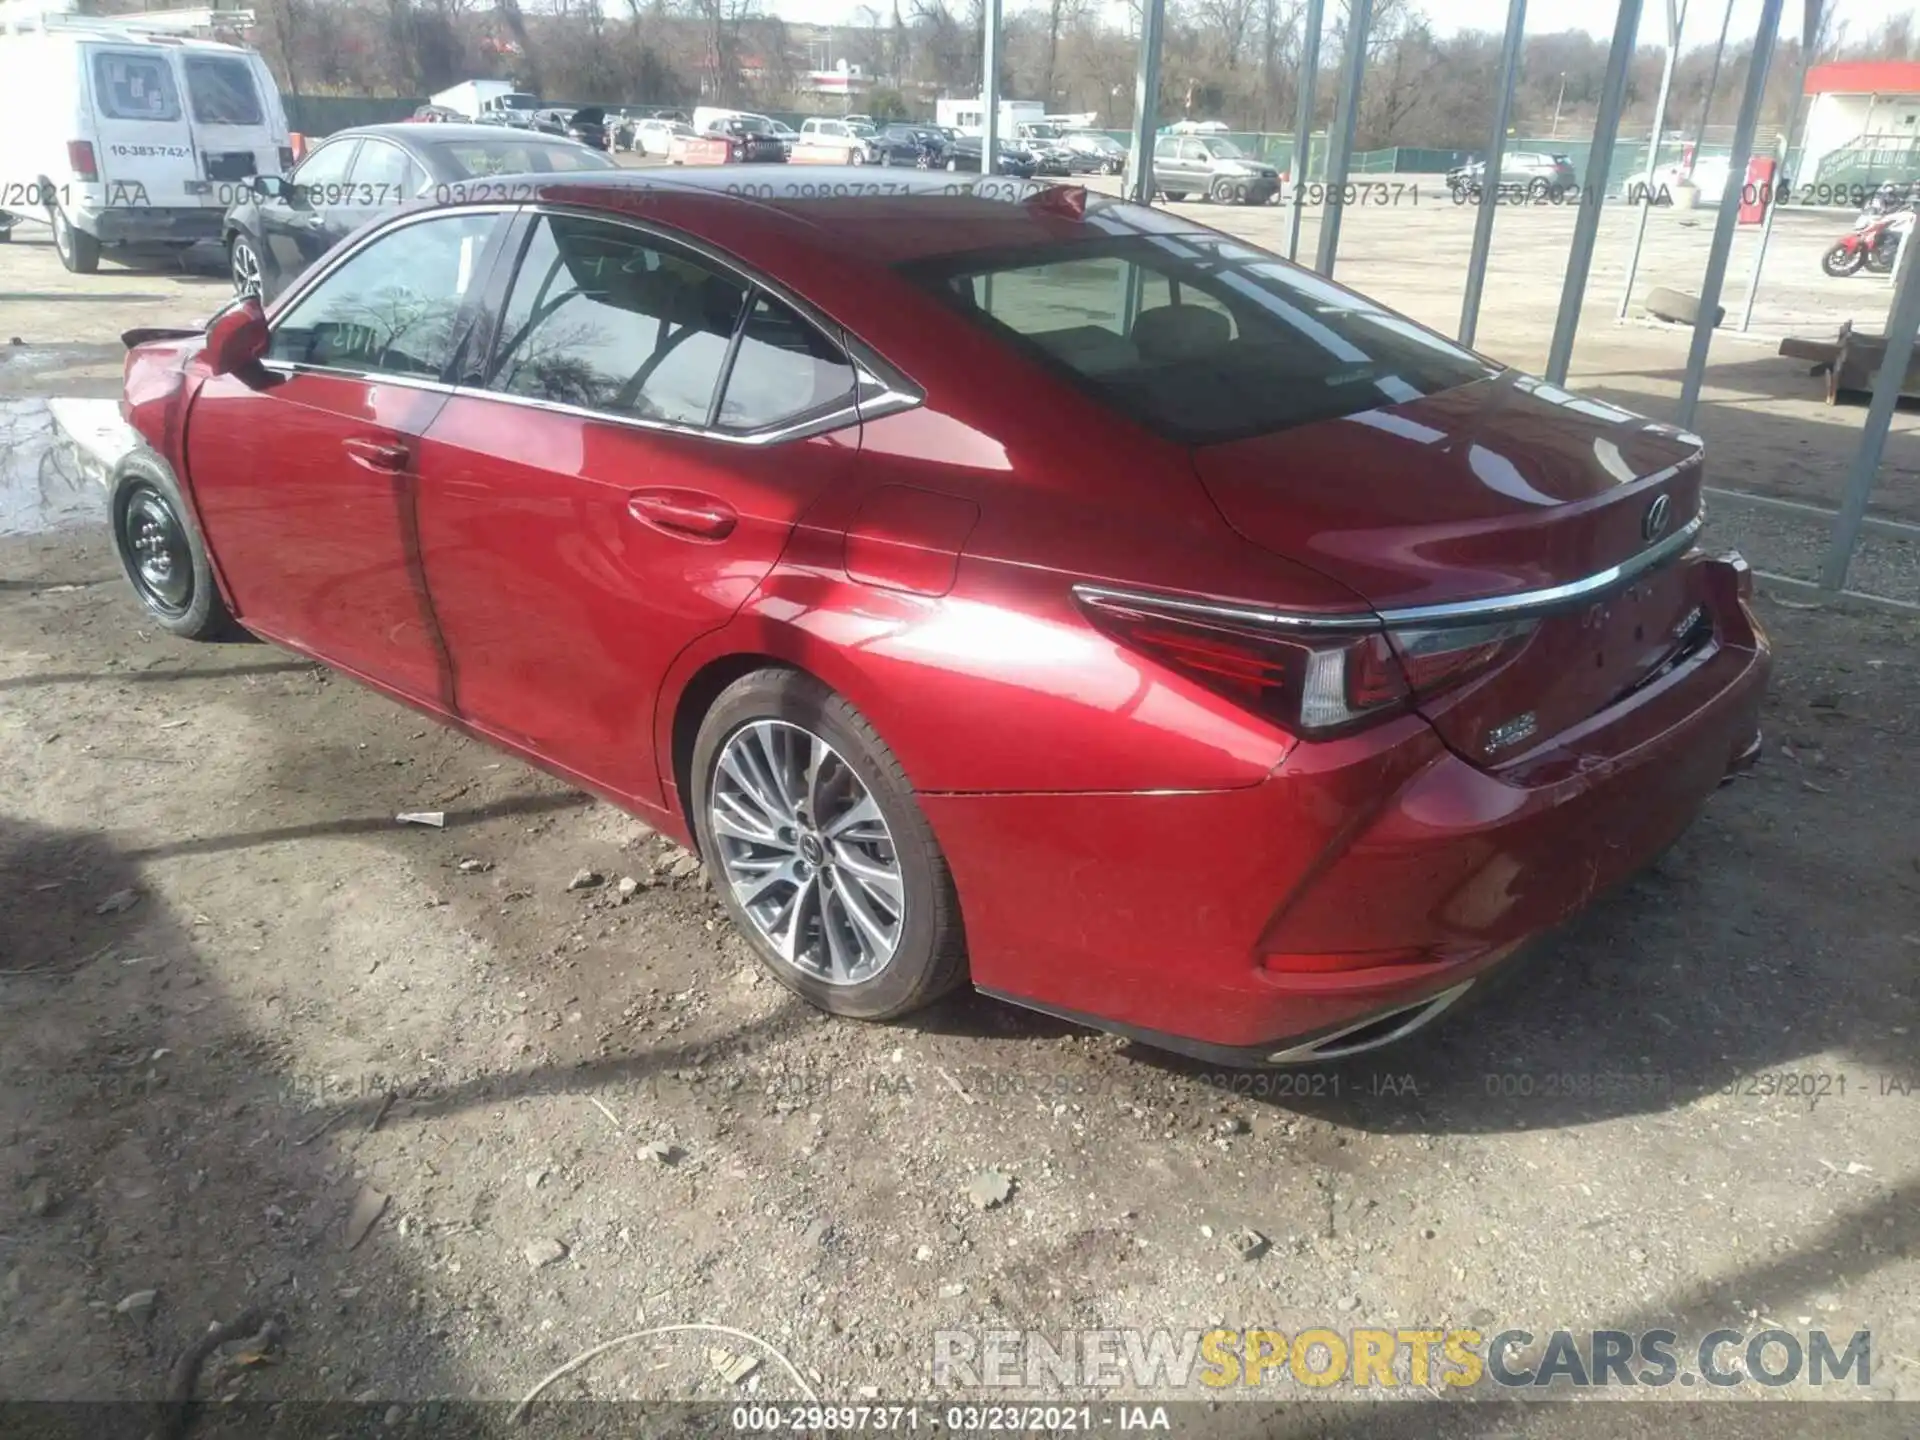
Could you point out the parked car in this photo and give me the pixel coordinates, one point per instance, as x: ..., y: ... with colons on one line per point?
x: 749, y: 141
x: 656, y: 136
x: 1324, y: 656
x: 1052, y: 155
x: 963, y: 153
x: 1207, y: 165
x: 1108, y: 155
x: 1708, y: 176
x: 436, y: 115
x: 285, y: 224
x: 862, y: 142
x: 921, y: 146
x: 113, y: 137
x: 786, y: 135
x: 589, y: 126
x: 1524, y: 172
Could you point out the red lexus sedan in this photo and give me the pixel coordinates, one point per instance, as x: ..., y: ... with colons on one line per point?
x: 995, y: 583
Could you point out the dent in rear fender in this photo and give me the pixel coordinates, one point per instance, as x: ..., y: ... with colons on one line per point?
x: 1010, y: 693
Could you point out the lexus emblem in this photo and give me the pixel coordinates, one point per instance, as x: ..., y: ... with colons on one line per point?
x: 1654, y: 522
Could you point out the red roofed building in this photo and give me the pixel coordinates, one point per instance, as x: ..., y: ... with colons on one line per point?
x: 1865, y: 115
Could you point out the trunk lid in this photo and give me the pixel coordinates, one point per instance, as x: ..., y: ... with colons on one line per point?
x: 1490, y: 490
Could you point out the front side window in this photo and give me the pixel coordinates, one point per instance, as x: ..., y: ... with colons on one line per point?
x: 394, y: 307
x: 130, y: 86
x: 1199, y: 337
x: 223, y: 91
x: 607, y: 318
x: 326, y: 166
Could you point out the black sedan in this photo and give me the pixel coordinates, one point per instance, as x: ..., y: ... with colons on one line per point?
x: 920, y: 146
x: 747, y: 143
x: 286, y: 222
x: 964, y: 154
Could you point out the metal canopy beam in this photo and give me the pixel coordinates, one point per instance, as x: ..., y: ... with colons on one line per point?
x: 1729, y: 211
x: 1303, y: 116
x: 1340, y: 142
x: 990, y: 92
x: 1139, y: 186
x: 1675, y: 19
x: 1593, y: 189
x: 1809, y: 37
x: 1490, y: 175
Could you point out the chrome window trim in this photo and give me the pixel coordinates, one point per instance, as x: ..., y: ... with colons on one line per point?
x: 334, y: 259
x: 372, y: 377
x: 1527, y: 604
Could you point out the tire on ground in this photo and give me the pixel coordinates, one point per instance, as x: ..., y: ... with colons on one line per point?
x: 205, y: 616
x: 930, y: 958
x: 1666, y: 303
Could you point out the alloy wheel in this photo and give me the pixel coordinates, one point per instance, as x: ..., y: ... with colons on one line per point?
x: 246, y: 268
x: 807, y: 852
x: 162, y: 559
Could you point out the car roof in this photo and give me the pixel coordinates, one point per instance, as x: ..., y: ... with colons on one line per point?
x: 443, y: 133
x: 910, y: 215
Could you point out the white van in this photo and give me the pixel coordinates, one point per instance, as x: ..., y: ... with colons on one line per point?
x: 115, y: 135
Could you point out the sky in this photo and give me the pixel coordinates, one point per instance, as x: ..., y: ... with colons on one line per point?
x: 1701, y: 25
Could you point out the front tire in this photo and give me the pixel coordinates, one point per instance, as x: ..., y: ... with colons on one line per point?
x: 243, y: 265
x: 163, y: 553
x: 819, y: 851
x: 1841, y: 262
x: 78, y: 251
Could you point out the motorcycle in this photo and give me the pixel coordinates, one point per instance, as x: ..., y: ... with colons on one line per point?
x: 1872, y: 244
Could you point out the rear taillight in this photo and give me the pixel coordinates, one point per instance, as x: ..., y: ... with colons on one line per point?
x: 1315, y: 679
x: 80, y: 160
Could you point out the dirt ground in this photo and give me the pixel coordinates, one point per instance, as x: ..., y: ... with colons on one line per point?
x: 455, y: 1122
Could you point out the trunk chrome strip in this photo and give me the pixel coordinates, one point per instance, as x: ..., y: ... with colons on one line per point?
x: 1524, y: 604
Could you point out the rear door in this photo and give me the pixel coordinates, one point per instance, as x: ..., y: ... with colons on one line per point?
x: 383, y: 178
x: 143, y: 140
x: 234, y: 112
x: 587, y: 507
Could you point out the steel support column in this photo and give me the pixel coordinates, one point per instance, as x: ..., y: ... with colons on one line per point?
x: 1729, y: 211
x: 990, y: 92
x: 1303, y: 115
x: 1902, y: 324
x: 1593, y: 189
x: 1808, y: 37
x: 1490, y: 173
x: 1346, y: 121
x: 1713, y: 81
x: 1139, y: 185
x: 1675, y: 19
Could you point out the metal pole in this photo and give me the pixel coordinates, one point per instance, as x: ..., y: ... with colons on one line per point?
x: 1303, y: 116
x: 1593, y: 189
x: 1901, y: 327
x: 1713, y: 79
x: 1758, y: 65
x: 1675, y: 19
x: 1490, y: 175
x: 990, y: 93
x: 1146, y: 103
x: 1346, y: 121
x: 1807, y: 40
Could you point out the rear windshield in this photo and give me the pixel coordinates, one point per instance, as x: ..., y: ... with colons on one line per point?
x: 222, y: 90
x: 467, y: 159
x: 1197, y: 336
x: 134, y: 87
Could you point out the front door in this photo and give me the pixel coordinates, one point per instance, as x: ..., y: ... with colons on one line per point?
x: 298, y: 226
x: 588, y: 509
x: 303, y: 469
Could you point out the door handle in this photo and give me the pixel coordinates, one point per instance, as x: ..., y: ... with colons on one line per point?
x: 687, y: 513
x: 316, y: 220
x: 377, y: 455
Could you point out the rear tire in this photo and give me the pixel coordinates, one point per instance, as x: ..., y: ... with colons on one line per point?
x: 1841, y: 262
x: 784, y: 708
x: 163, y: 554
x: 78, y: 251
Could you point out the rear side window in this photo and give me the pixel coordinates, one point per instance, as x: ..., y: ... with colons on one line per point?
x: 782, y: 369
x: 607, y: 318
x: 130, y: 86
x: 469, y: 159
x: 1199, y: 337
x: 223, y: 91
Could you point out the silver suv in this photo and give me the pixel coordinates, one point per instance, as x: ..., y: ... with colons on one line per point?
x: 1212, y: 166
x: 1522, y: 172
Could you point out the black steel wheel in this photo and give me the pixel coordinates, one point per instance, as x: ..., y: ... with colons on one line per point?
x: 162, y: 552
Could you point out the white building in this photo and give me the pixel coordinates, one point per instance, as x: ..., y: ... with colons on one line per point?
x: 1859, y: 101
x: 967, y: 116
